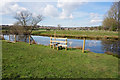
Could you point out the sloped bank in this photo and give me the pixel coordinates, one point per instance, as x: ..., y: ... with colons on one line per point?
x: 21, y: 60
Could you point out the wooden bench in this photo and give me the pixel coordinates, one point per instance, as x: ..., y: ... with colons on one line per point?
x: 59, y: 42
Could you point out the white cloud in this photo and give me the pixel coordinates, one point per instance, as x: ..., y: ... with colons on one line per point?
x: 95, y: 21
x: 3, y: 2
x: 51, y: 11
x: 95, y: 18
x: 67, y: 6
x: 9, y: 6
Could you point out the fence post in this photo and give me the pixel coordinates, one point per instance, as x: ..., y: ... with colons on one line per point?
x: 66, y: 44
x: 53, y: 46
x: 83, y: 45
x: 15, y: 38
x: 29, y: 40
x: 3, y: 37
x: 50, y: 42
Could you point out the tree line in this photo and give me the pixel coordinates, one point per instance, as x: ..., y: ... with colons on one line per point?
x: 112, y: 18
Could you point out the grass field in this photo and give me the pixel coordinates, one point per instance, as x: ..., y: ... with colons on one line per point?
x: 90, y: 34
x: 37, y: 61
x: 76, y: 33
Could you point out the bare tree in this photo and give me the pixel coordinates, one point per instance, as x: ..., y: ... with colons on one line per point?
x: 111, y: 19
x: 113, y: 12
x: 26, y: 22
x: 59, y: 26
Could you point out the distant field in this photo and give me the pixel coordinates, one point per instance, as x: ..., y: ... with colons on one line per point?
x: 37, y: 61
x: 76, y: 33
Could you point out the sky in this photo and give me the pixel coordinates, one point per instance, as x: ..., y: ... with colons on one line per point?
x: 67, y: 14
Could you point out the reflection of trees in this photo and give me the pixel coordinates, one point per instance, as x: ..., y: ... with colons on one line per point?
x: 111, y: 46
x: 12, y: 37
x: 24, y: 38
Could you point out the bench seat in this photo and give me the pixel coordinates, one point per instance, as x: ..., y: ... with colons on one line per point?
x: 58, y: 43
x: 62, y: 45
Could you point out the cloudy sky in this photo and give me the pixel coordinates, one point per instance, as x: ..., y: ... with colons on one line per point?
x: 72, y: 14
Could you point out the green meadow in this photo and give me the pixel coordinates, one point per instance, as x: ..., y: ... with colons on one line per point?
x: 78, y: 33
x: 21, y: 60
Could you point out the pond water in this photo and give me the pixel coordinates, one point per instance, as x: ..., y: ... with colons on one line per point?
x: 97, y: 46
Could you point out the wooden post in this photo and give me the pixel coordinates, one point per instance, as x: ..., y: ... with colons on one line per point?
x: 3, y: 37
x: 55, y: 40
x: 15, y: 38
x: 66, y: 44
x: 53, y: 46
x: 57, y: 48
x: 83, y: 45
x: 55, y: 35
x: 29, y: 40
x: 50, y: 42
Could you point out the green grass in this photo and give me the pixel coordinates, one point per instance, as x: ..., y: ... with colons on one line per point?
x: 37, y: 61
x: 79, y: 33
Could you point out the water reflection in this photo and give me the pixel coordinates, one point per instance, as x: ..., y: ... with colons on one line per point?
x: 111, y: 46
x: 24, y: 38
x: 97, y: 46
x: 93, y: 43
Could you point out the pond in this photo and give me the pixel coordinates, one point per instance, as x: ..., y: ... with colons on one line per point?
x: 97, y: 46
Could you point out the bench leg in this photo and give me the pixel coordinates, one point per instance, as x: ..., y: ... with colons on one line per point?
x: 65, y: 48
x: 53, y: 46
x: 57, y: 48
x: 50, y: 46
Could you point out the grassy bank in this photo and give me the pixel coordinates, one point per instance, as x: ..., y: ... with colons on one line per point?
x: 76, y: 34
x: 79, y: 34
x: 23, y: 60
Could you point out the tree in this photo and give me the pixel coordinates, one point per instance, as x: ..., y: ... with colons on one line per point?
x: 111, y: 19
x: 110, y: 24
x: 59, y: 26
x: 25, y: 22
x: 119, y: 16
x: 99, y: 27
